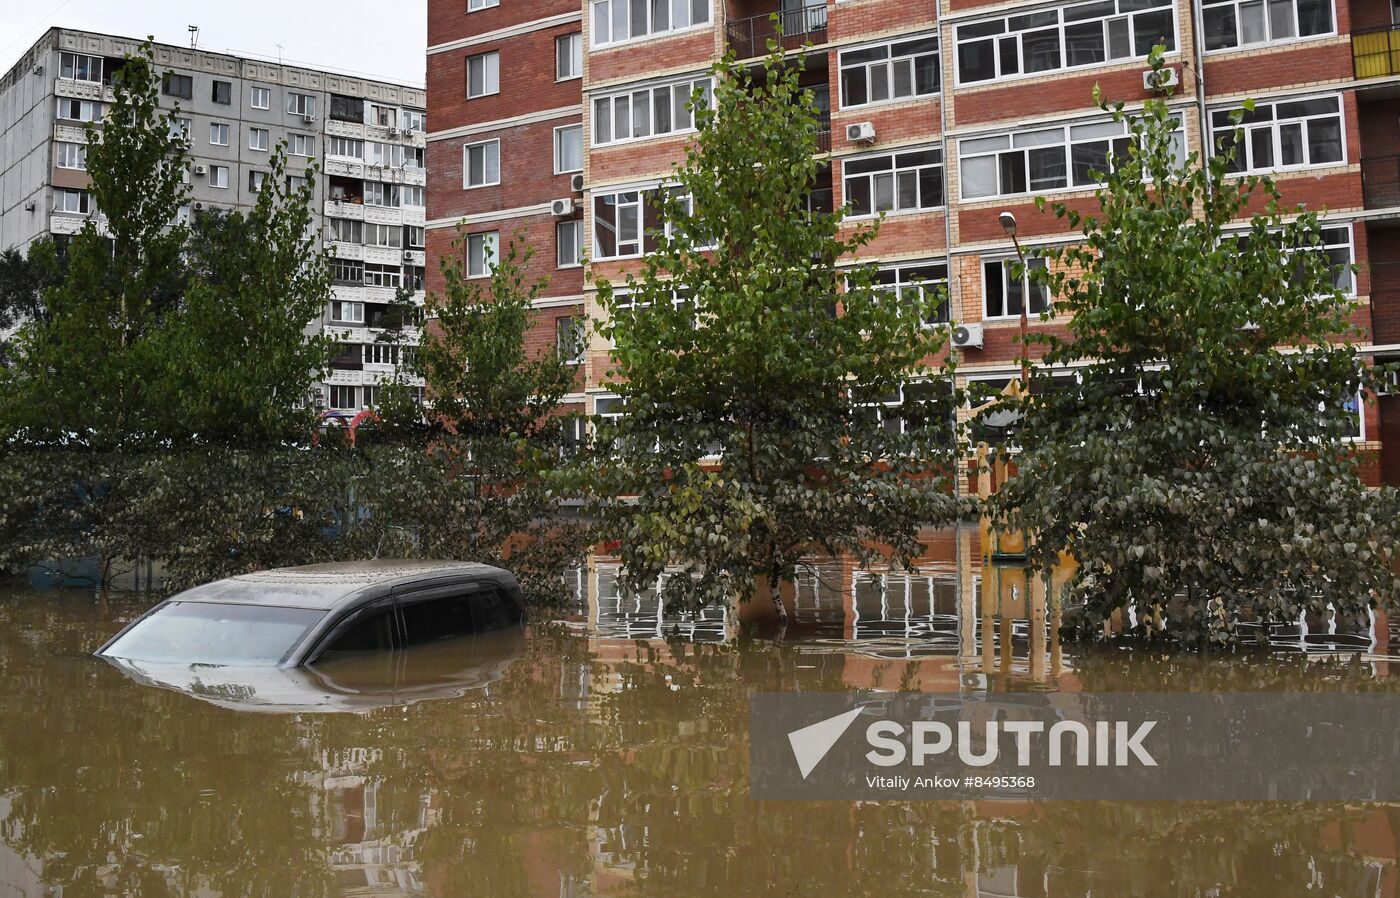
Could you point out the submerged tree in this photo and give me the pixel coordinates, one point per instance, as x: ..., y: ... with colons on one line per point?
x: 1197, y: 463
x: 776, y: 402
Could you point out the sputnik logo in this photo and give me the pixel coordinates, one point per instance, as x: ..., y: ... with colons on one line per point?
x: 811, y: 743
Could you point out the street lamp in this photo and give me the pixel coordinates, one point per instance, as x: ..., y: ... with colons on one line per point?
x: 1008, y: 224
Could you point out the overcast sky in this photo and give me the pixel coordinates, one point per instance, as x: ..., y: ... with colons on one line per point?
x: 383, y: 38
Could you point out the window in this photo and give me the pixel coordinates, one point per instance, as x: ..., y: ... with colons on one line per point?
x: 570, y: 337
x: 481, y: 254
x: 413, y: 120
x: 413, y: 195
x: 218, y: 134
x: 345, y: 147
x: 346, y: 230
x: 173, y: 85
x: 917, y: 286
x: 80, y: 67
x: 343, y: 397
x: 1083, y: 34
x: 384, y: 235
x: 295, y: 183
x: 483, y: 164
x: 1282, y: 135
x: 1336, y: 247
x: 615, y: 21
x: 618, y: 223
x: 222, y: 92
x: 259, y: 139
x: 1240, y: 23
x: 260, y: 97
x: 386, y: 155
x: 347, y: 109
x: 647, y: 112
x: 474, y: 5
x: 412, y: 157
x: 1002, y: 294
x: 71, y: 155
x: 483, y: 74
x: 377, y: 193
x: 445, y: 618
x: 383, y: 276
x: 348, y: 312
x: 1045, y: 158
x: 381, y: 354
x: 180, y: 127
x: 568, y: 149
x: 301, y: 145
x: 66, y: 199
x: 568, y: 57
x: 255, y: 181
x: 383, y: 116
x: 218, y: 176
x: 895, y: 182
x: 569, y: 238
x: 889, y: 72
x: 415, y: 236
x: 79, y: 110
x: 301, y: 104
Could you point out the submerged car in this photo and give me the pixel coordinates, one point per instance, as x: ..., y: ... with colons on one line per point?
x: 294, y: 617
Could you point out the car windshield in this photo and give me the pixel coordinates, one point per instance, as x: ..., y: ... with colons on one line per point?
x: 214, y: 633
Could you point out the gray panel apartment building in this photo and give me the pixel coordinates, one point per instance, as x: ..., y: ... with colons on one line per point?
x: 368, y: 136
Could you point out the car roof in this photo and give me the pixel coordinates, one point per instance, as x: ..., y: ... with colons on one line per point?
x: 327, y: 586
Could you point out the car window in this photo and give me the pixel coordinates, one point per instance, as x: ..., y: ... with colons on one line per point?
x: 434, y: 619
x: 215, y: 633
x: 373, y: 632
x: 494, y: 609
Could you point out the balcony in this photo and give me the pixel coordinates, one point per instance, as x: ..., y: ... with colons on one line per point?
x: 1375, y: 52
x: 1380, y: 181
x: 749, y: 37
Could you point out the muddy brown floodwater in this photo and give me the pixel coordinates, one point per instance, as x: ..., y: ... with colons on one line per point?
x: 603, y: 754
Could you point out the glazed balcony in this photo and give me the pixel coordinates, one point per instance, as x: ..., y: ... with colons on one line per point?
x: 748, y: 37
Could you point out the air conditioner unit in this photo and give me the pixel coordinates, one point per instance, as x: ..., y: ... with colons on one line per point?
x: 576, y: 183
x: 200, y: 169
x: 861, y: 132
x: 309, y: 117
x: 1160, y: 79
x: 29, y: 206
x: 408, y: 255
x: 967, y: 336
x: 393, y: 132
x: 408, y: 132
x: 560, y: 208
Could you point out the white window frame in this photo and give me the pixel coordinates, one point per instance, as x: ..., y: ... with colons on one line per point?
x: 347, y: 312
x: 1026, y: 140
x: 413, y: 120
x: 639, y: 203
x: 575, y: 225
x: 888, y: 64
x: 609, y: 18
x: 256, y: 177
x: 1324, y: 226
x: 1276, y: 144
x: 386, y: 235
x: 906, y: 281
x: 630, y: 96
x: 1059, y: 25
x: 301, y: 145
x: 93, y: 108
x: 226, y: 133
x: 334, y: 143
x: 260, y: 146
x: 69, y: 155
x: 389, y: 193
x: 69, y: 67
x: 479, y: 5
x: 478, y: 243
x: 214, y: 176
x: 558, y: 133
x: 1207, y: 6
x: 490, y: 69
x: 300, y: 104
x: 893, y: 172
x: 414, y: 196
x: 416, y: 238
x: 1005, y: 263
x: 82, y: 204
x: 377, y: 274
x: 336, y: 399
x: 578, y: 330
x: 575, y: 56
x: 485, y: 147
x: 260, y: 98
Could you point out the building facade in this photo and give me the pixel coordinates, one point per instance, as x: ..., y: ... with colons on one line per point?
x: 941, y: 114
x: 367, y: 137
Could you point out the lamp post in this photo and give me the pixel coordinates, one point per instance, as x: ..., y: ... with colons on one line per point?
x: 1008, y: 224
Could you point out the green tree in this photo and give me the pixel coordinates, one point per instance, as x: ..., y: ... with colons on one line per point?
x: 23, y: 279
x: 748, y: 338
x: 1199, y: 464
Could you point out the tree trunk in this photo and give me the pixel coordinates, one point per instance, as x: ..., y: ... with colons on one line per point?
x: 775, y: 592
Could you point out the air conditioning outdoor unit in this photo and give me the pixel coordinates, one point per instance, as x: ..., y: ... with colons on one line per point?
x: 393, y: 132
x: 861, y: 132
x: 199, y: 169
x: 29, y: 206
x: 576, y: 183
x: 1160, y: 79
x: 967, y: 336
x: 560, y: 208
x: 408, y: 255
x: 309, y: 117
x: 408, y: 132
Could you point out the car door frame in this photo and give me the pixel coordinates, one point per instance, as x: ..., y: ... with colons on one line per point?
x: 329, y: 633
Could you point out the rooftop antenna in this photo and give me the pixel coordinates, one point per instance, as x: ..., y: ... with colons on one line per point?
x: 194, y: 35
x: 279, y: 54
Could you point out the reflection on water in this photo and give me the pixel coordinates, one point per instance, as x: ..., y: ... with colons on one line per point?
x: 606, y: 758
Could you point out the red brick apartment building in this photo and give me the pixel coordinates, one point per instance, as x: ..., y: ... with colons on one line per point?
x: 554, y: 117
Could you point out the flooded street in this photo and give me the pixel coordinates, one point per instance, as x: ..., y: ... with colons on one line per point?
x: 603, y: 754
